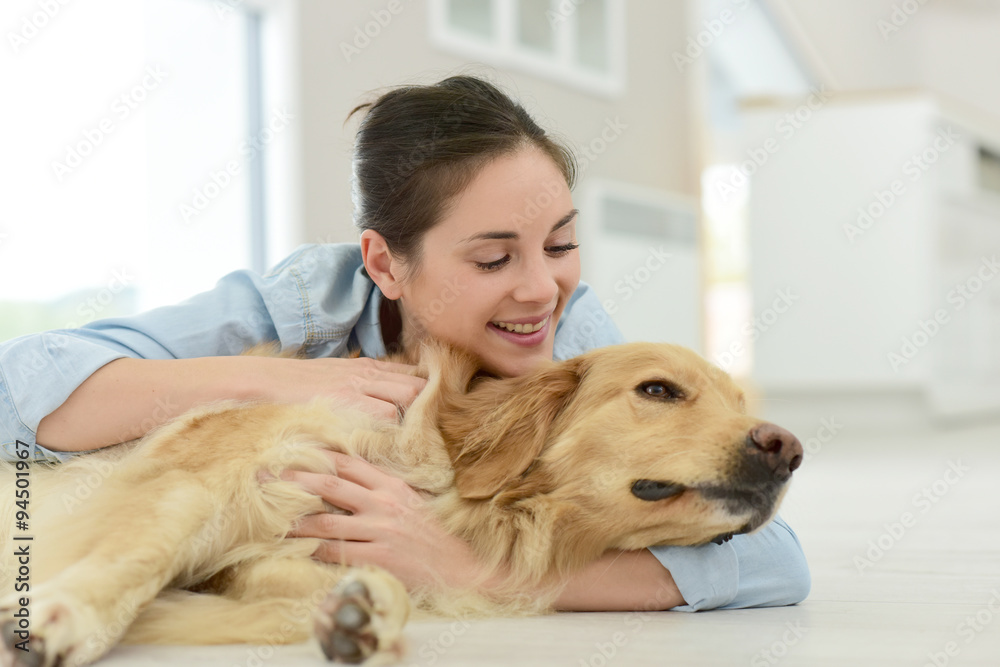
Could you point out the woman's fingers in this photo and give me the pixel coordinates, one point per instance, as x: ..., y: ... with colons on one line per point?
x: 330, y: 526
x: 360, y: 472
x: 390, y: 391
x: 342, y: 552
x: 372, y: 371
x: 395, y: 367
x: 335, y: 490
x: 373, y: 406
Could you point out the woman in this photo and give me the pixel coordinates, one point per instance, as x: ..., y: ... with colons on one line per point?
x: 468, y: 235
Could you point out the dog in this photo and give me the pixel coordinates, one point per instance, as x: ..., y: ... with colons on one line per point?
x: 179, y: 537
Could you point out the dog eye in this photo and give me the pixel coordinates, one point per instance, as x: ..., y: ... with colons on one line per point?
x: 661, y: 389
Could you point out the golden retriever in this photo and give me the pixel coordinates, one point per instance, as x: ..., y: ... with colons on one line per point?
x: 179, y: 538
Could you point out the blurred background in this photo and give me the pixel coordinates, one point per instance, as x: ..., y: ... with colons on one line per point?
x: 805, y: 191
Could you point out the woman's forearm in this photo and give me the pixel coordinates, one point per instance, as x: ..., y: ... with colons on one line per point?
x: 127, y: 397
x: 621, y: 581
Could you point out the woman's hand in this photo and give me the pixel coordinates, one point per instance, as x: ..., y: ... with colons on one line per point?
x: 375, y: 386
x: 389, y: 526
x: 392, y: 528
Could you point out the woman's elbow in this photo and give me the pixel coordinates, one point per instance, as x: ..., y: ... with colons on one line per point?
x: 795, y: 567
x: 799, y: 578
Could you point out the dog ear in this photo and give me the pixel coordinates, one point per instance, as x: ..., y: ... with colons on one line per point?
x: 495, y: 432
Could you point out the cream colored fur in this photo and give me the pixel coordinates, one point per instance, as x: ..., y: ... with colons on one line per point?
x: 180, y: 537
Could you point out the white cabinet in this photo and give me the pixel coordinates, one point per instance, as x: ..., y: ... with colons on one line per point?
x: 880, y: 215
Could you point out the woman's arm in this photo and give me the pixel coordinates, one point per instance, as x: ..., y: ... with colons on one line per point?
x: 127, y: 397
x: 621, y: 581
x: 113, y: 379
x: 765, y: 569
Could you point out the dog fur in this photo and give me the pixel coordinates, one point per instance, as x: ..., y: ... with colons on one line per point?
x: 180, y: 537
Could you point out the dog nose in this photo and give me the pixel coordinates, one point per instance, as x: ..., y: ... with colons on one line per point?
x: 782, y: 451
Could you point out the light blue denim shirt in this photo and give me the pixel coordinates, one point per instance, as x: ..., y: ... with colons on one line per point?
x: 320, y: 298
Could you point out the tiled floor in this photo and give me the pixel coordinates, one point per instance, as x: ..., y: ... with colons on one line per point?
x: 903, y: 536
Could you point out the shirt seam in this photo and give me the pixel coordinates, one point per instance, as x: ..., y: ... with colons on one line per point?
x: 313, y: 333
x: 9, y: 400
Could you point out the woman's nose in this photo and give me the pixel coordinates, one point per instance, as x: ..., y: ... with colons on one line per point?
x: 536, y: 282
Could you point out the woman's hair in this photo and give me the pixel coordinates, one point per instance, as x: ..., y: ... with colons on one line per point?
x: 418, y: 147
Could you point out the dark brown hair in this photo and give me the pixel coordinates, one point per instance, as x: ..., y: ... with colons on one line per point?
x: 418, y: 147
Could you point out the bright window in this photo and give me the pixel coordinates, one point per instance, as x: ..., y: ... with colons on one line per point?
x: 127, y: 183
x: 580, y: 43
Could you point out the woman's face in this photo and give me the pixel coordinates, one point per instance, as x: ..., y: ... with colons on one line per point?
x: 503, y: 258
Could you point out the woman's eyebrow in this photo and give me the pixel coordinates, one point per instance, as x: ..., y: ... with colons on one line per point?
x: 565, y: 220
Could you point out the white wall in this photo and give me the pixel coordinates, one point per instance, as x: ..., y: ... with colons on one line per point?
x: 656, y: 147
x: 655, y: 150
x: 949, y: 47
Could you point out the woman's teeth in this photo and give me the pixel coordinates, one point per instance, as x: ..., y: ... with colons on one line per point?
x: 521, y: 328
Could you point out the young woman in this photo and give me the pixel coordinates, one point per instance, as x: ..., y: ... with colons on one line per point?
x: 468, y: 234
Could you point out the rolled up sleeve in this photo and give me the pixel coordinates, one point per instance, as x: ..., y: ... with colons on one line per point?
x: 38, y: 372
x: 765, y: 569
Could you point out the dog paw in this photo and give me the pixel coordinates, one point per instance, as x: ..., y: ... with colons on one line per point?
x: 361, y: 620
x: 22, y: 643
x: 53, y: 635
x: 16, y: 650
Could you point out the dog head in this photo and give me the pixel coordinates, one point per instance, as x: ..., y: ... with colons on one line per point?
x: 627, y: 446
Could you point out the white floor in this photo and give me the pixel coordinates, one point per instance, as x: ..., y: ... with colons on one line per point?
x: 923, y: 592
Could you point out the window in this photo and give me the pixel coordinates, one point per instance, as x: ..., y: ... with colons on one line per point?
x: 756, y: 58
x: 575, y: 42
x: 135, y: 176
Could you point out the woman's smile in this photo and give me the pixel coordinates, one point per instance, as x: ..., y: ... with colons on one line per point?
x: 517, y: 271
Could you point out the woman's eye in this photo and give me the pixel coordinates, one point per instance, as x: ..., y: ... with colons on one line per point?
x: 492, y: 266
x: 562, y: 249
x: 557, y: 250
